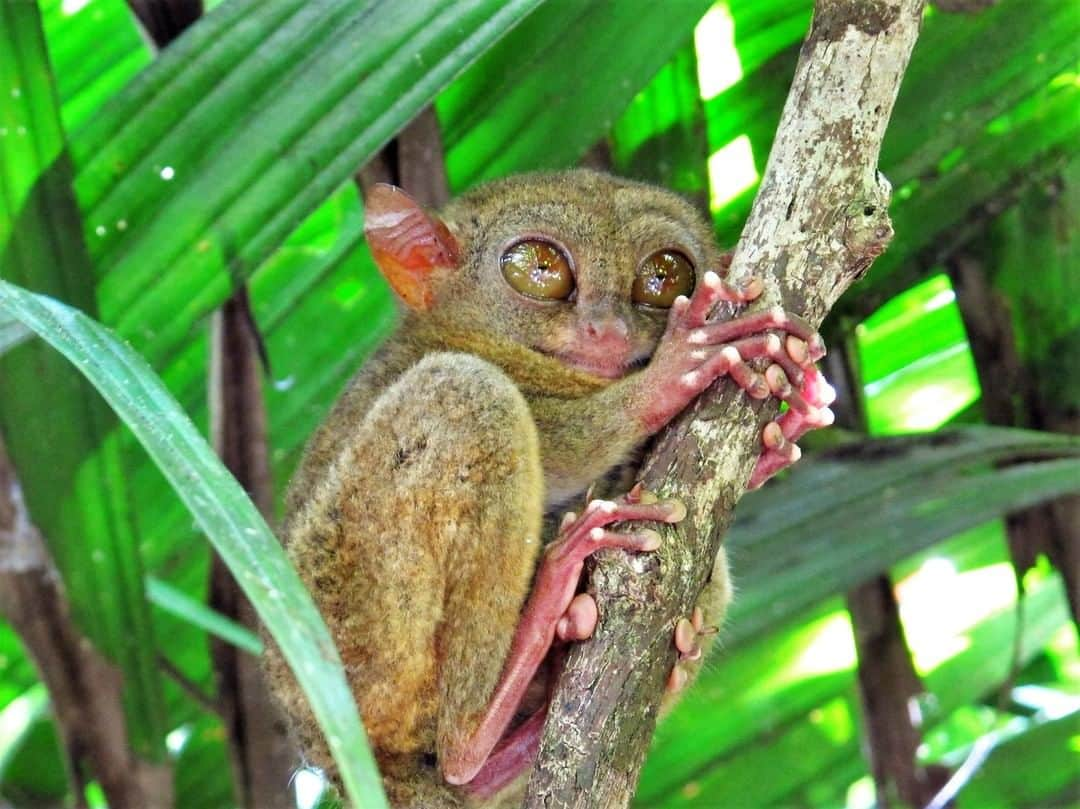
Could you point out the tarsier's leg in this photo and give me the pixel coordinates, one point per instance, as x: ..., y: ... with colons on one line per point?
x: 419, y: 546
x: 552, y: 594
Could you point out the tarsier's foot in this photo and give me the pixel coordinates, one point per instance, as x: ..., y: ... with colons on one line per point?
x: 578, y: 622
x: 779, y: 437
x: 554, y: 609
x: 695, y: 350
x: 689, y: 633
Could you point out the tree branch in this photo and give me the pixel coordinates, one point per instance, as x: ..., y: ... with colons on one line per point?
x: 819, y: 221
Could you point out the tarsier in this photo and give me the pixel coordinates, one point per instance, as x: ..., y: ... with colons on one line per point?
x: 553, y: 324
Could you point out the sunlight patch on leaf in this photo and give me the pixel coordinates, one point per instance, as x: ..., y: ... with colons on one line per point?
x: 719, y: 66
x: 832, y: 649
x: 731, y: 172
x: 939, y: 606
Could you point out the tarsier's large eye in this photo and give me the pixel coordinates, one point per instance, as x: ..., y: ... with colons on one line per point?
x: 661, y: 278
x: 538, y: 269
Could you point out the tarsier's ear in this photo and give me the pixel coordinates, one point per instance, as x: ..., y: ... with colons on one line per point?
x: 409, y: 244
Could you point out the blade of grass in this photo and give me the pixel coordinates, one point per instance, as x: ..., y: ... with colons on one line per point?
x: 177, y: 602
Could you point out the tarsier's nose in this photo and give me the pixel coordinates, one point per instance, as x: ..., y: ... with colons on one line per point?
x: 607, y: 329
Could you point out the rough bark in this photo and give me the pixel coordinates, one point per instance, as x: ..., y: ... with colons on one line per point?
x: 84, y: 688
x: 819, y: 220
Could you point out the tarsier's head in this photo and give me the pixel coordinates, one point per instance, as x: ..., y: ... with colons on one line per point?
x: 578, y: 266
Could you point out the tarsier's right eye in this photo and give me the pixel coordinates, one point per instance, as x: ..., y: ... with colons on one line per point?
x: 661, y: 278
x: 538, y: 269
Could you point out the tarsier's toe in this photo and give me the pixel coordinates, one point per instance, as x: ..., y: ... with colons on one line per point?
x: 688, y: 635
x: 579, y: 620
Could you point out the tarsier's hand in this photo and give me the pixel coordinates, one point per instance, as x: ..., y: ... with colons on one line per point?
x: 779, y: 437
x: 695, y: 351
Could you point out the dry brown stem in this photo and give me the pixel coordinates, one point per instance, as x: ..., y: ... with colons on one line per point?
x: 84, y: 688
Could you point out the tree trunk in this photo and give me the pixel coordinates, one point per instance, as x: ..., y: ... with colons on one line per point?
x: 819, y: 220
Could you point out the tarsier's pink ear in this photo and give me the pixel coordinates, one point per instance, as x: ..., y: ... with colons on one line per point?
x: 408, y: 243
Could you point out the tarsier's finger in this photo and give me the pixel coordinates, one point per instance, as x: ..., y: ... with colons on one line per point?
x: 754, y: 323
x: 782, y: 389
x: 714, y: 364
x: 744, y: 291
x: 769, y: 345
x: 706, y: 295
x: 779, y: 454
x: 744, y: 376
x: 795, y: 424
x: 644, y: 539
x: 816, y: 390
x: 605, y: 512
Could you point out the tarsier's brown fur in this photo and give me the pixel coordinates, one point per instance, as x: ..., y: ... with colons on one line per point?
x: 416, y: 515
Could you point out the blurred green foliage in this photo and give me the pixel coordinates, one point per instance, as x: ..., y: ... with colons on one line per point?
x: 229, y: 157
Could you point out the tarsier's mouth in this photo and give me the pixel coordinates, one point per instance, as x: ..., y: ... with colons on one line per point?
x: 605, y: 367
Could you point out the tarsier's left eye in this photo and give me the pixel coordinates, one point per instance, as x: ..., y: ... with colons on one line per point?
x: 538, y: 269
x: 661, y: 278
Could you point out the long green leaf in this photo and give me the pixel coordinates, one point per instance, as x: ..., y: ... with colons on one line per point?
x: 552, y: 89
x: 836, y: 521
x: 202, y: 167
x: 60, y: 436
x: 224, y: 512
x: 95, y: 50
